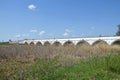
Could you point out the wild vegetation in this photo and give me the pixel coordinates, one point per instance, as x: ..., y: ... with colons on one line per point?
x: 4, y: 43
x: 53, y: 62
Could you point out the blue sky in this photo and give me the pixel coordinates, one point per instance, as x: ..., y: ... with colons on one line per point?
x: 41, y: 19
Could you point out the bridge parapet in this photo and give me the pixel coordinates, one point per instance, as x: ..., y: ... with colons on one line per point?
x: 75, y: 41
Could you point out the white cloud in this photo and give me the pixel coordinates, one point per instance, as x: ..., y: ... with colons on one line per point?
x: 41, y: 33
x: 32, y: 7
x: 67, y: 30
x: 66, y: 34
x: 18, y: 36
x: 33, y: 31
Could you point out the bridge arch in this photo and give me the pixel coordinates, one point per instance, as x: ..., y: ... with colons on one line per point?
x: 32, y: 43
x: 100, y: 42
x: 47, y: 43
x: 83, y: 42
x: 26, y: 43
x: 68, y: 43
x: 57, y: 43
x: 116, y: 42
x: 39, y: 43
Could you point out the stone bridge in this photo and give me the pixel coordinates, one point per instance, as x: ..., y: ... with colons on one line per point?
x: 74, y: 41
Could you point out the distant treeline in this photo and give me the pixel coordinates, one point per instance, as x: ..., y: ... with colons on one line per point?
x: 4, y: 43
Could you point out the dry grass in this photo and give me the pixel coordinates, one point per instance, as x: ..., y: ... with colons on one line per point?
x: 30, y: 53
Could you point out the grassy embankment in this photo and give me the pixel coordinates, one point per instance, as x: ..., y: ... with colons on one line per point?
x: 21, y: 62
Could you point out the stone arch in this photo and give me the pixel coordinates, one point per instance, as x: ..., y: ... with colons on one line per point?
x: 39, y: 43
x: 32, y: 43
x: 68, y: 43
x: 83, y: 42
x: 100, y: 42
x: 26, y: 43
x: 116, y: 42
x: 47, y: 43
x: 56, y: 43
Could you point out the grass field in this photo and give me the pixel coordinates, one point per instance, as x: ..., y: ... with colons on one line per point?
x: 24, y: 62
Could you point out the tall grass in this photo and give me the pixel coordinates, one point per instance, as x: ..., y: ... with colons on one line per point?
x: 28, y: 52
x: 30, y: 62
x: 105, y: 68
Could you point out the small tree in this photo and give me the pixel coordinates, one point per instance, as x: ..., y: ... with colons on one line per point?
x: 118, y: 32
x: 10, y: 40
